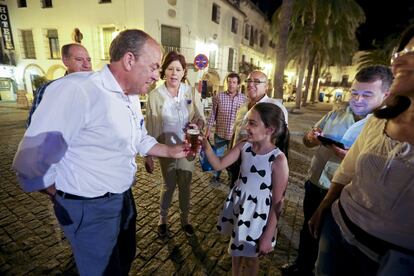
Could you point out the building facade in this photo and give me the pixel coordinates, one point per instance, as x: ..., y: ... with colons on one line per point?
x: 233, y: 34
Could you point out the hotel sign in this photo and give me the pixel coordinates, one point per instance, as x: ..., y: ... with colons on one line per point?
x: 6, y: 28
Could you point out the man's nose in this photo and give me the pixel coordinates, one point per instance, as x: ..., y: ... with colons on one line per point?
x: 156, y: 75
x: 358, y: 97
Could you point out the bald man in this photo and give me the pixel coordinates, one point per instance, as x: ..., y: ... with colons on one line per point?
x: 76, y: 59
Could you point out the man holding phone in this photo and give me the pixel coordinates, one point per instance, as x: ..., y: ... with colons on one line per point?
x: 338, y: 127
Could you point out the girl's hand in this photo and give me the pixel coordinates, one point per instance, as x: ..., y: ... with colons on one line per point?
x: 265, y: 245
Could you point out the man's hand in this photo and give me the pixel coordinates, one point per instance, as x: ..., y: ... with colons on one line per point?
x: 338, y: 151
x: 149, y: 164
x: 179, y: 151
x: 315, y: 222
x: 50, y: 191
x: 311, y: 138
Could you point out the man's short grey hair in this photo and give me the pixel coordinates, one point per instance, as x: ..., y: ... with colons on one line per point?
x: 128, y: 41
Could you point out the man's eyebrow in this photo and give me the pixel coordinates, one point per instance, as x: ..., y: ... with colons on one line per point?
x: 362, y: 91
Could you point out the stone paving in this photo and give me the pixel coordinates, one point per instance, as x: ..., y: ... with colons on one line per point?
x: 31, y: 242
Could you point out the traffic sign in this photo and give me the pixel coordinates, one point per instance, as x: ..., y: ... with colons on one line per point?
x: 200, y: 61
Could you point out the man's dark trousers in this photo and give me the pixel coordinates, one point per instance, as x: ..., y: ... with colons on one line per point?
x: 308, y: 246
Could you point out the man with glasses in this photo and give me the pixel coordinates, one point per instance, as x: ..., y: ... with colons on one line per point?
x: 257, y: 85
x: 369, y: 89
x: 223, y: 115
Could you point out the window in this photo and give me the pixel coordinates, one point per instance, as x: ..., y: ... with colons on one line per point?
x: 215, y: 16
x: 344, y: 81
x: 212, y: 58
x: 247, y: 31
x: 21, y: 4
x: 261, y: 40
x: 243, y: 58
x: 27, y: 44
x: 107, y: 36
x: 53, y: 39
x: 105, y: 1
x: 234, y: 25
x: 251, y: 38
x: 231, y: 60
x: 47, y: 4
x: 170, y: 38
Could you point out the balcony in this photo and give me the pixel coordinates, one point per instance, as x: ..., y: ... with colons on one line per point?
x: 188, y: 53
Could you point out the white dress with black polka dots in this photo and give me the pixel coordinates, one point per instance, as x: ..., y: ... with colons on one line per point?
x: 246, y: 209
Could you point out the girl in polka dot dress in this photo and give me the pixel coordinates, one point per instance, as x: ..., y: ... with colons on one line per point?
x: 251, y: 210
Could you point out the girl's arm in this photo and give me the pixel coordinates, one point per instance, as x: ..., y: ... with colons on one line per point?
x: 280, y: 173
x: 221, y: 163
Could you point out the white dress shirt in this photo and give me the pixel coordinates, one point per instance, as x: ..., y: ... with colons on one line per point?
x: 84, y: 137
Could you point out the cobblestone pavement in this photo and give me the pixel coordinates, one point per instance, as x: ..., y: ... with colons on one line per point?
x: 31, y: 242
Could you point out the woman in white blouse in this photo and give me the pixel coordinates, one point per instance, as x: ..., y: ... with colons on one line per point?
x: 171, y: 108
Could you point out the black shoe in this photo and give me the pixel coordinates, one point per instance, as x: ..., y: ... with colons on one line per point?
x: 162, y: 230
x: 294, y: 270
x: 188, y: 230
x: 290, y: 270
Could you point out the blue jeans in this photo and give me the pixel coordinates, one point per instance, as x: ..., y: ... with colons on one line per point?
x: 101, y: 232
x: 221, y: 147
x: 337, y: 257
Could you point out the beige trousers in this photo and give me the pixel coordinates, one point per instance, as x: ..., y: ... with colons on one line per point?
x: 176, y: 172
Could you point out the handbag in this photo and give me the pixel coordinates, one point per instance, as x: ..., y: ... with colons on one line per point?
x: 205, y: 165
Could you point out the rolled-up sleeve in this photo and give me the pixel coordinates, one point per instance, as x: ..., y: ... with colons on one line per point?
x: 46, y: 140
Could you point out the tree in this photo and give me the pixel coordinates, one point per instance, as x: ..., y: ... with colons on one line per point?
x: 323, y: 33
x: 281, y: 45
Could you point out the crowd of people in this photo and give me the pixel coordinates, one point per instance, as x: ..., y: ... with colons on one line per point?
x: 358, y: 197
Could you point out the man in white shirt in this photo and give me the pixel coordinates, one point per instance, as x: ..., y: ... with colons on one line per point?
x: 80, y: 149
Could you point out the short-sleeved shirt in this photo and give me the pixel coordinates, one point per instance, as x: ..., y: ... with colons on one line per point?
x: 378, y: 197
x: 340, y: 126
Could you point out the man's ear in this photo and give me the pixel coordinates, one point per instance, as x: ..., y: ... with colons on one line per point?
x: 386, y: 94
x: 65, y: 61
x: 128, y: 61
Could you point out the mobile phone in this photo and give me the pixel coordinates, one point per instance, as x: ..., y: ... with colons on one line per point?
x: 328, y: 141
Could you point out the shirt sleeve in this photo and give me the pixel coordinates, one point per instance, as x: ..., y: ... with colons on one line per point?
x: 54, y: 124
x: 146, y: 142
x: 346, y: 170
x: 321, y: 123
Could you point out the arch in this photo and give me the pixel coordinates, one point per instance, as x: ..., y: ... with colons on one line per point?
x: 28, y: 76
x: 50, y: 74
x: 213, y: 81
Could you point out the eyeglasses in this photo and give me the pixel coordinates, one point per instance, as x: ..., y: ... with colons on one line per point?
x: 255, y: 81
x: 395, y: 54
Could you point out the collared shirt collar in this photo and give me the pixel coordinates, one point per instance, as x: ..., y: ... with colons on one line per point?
x: 109, y: 81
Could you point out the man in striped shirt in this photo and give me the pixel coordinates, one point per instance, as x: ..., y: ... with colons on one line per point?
x: 223, y: 115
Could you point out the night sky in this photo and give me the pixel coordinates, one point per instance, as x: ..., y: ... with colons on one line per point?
x: 383, y: 18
